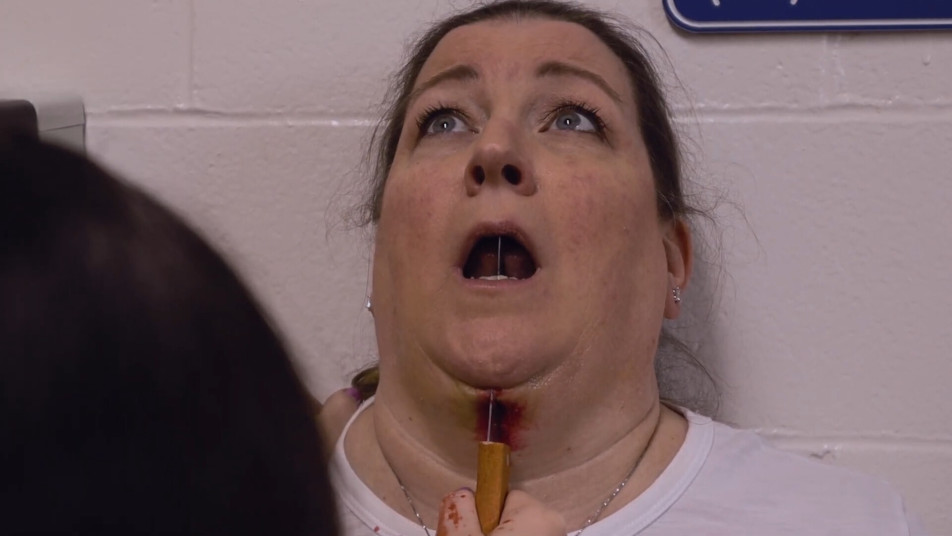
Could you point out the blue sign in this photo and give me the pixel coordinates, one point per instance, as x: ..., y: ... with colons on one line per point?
x: 808, y: 15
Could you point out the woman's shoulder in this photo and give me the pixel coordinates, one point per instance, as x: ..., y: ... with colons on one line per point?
x: 745, y: 458
x: 747, y: 482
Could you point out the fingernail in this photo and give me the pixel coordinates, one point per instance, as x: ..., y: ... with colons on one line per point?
x: 464, y: 488
x: 354, y: 393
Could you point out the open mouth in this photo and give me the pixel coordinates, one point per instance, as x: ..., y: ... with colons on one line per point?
x: 498, y: 258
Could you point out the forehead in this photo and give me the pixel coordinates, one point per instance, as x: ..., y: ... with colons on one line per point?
x: 507, y: 46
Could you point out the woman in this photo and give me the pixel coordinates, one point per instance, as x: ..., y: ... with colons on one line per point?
x: 531, y: 239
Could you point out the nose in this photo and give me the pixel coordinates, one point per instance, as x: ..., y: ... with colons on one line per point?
x: 499, y: 160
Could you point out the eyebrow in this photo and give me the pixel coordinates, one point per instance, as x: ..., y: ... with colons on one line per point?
x: 557, y: 68
x: 462, y: 73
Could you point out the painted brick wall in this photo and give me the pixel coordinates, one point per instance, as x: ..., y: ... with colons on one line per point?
x: 830, y: 153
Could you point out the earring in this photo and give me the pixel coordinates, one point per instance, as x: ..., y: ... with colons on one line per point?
x: 676, y: 294
x: 369, y: 305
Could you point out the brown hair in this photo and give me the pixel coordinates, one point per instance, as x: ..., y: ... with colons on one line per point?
x: 654, y: 115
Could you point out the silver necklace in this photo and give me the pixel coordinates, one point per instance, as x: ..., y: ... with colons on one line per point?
x: 410, y: 501
x: 588, y: 522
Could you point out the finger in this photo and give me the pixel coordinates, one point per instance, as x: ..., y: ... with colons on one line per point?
x: 458, y: 515
x: 525, y: 515
x: 333, y: 417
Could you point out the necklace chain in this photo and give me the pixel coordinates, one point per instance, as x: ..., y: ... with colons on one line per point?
x: 588, y: 522
x: 410, y: 501
x: 611, y: 496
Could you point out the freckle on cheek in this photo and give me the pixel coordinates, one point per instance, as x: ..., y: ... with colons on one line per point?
x: 411, y: 215
x: 582, y: 205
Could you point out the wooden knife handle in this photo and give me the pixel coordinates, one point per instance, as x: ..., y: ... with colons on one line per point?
x: 492, y: 483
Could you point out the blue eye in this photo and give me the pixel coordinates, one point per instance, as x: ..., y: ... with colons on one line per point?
x: 574, y: 120
x: 442, y: 122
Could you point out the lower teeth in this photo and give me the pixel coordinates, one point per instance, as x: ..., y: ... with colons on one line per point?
x: 495, y: 277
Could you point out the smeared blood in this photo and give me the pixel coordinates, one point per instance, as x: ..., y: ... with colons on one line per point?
x: 454, y: 515
x: 507, y: 423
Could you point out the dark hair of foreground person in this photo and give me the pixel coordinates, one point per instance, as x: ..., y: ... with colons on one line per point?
x: 142, y: 388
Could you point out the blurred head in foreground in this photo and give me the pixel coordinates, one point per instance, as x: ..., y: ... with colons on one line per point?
x: 142, y: 389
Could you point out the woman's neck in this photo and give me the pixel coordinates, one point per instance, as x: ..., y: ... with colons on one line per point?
x: 569, y: 454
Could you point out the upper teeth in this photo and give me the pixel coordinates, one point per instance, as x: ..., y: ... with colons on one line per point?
x: 496, y: 277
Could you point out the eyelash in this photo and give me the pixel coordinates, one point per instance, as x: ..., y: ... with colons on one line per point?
x: 589, y: 111
x: 431, y: 112
x: 583, y: 108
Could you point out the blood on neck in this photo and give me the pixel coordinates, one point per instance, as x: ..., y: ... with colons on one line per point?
x: 507, y: 419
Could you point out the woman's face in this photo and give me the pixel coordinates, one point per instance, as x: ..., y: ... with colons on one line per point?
x: 519, y: 234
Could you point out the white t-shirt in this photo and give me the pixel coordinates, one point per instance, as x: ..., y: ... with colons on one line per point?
x: 722, y: 482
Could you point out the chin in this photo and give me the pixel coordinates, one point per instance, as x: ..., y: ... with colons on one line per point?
x: 495, y: 368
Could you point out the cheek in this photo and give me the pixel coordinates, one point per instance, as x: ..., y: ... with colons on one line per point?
x: 607, y: 214
x: 411, y: 204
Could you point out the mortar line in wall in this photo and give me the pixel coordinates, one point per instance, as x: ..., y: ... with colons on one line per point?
x: 190, y: 75
x: 828, y: 114
x: 870, y: 106
x: 879, y: 106
x: 191, y: 118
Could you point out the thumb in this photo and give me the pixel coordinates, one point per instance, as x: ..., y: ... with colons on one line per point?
x: 523, y: 514
x: 458, y: 515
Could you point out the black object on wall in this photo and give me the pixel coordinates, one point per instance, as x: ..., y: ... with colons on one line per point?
x: 19, y: 115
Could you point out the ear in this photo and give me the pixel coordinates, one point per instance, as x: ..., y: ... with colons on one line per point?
x: 680, y: 255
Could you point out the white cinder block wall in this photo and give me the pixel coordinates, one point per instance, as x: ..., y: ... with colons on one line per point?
x: 832, y: 151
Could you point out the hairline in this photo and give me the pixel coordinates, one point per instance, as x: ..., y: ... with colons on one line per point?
x: 383, y: 156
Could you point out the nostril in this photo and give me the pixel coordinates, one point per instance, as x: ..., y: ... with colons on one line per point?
x: 479, y: 175
x: 512, y: 174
